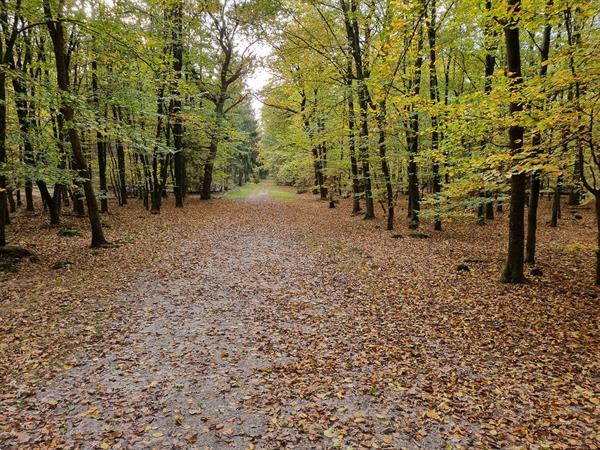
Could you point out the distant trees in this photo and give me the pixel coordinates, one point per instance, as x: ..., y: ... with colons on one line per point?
x: 375, y: 100
x: 117, y: 81
x: 448, y: 113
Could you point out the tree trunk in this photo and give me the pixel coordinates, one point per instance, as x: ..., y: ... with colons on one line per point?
x: 3, y: 199
x: 100, y: 142
x: 354, y: 44
x: 122, y: 173
x: 434, y: 96
x: 534, y: 196
x: 364, y: 151
x: 29, y: 196
x: 55, y: 27
x: 352, y: 144
x: 52, y: 203
x: 178, y: 158
x: 489, y: 209
x: 534, y: 191
x: 381, y: 124
x: 513, y: 271
x: 208, y: 168
x: 412, y: 138
x: 556, y: 202
x: 597, y: 198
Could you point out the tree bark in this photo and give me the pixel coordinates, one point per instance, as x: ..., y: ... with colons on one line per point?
x: 381, y: 125
x: 412, y: 141
x: 179, y: 157
x: 513, y: 271
x: 55, y: 27
x: 556, y: 202
x: 352, y: 144
x: 354, y: 44
x: 534, y: 191
x: 434, y: 96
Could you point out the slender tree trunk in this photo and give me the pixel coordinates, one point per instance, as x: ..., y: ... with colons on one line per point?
x: 3, y: 199
x: 489, y: 209
x: 179, y: 157
x: 534, y: 191
x: 11, y: 201
x: 434, y: 95
x: 481, y: 209
x: 513, y: 271
x: 364, y: 150
x: 352, y: 146
x: 491, y: 47
x: 597, y: 199
x: 100, y: 141
x: 354, y: 43
x: 556, y: 202
x: 29, y: 196
x: 381, y: 125
x: 322, y: 158
x: 208, y: 169
x: 212, y: 152
x: 412, y: 138
x: 55, y: 27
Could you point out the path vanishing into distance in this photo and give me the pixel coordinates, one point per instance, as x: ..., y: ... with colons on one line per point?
x: 278, y: 323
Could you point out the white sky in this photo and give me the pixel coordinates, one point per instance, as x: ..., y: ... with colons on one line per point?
x: 260, y: 76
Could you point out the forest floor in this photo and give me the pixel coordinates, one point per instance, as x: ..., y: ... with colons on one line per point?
x: 253, y: 322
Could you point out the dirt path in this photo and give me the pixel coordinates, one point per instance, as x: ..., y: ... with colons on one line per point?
x: 271, y: 329
x: 190, y: 363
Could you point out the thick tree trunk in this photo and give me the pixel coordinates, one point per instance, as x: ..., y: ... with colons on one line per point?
x: 513, y: 271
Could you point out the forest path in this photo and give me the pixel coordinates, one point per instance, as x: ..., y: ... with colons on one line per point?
x: 196, y: 359
x: 284, y: 324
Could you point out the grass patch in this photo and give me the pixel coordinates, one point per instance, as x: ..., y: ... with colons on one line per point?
x: 255, y: 189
